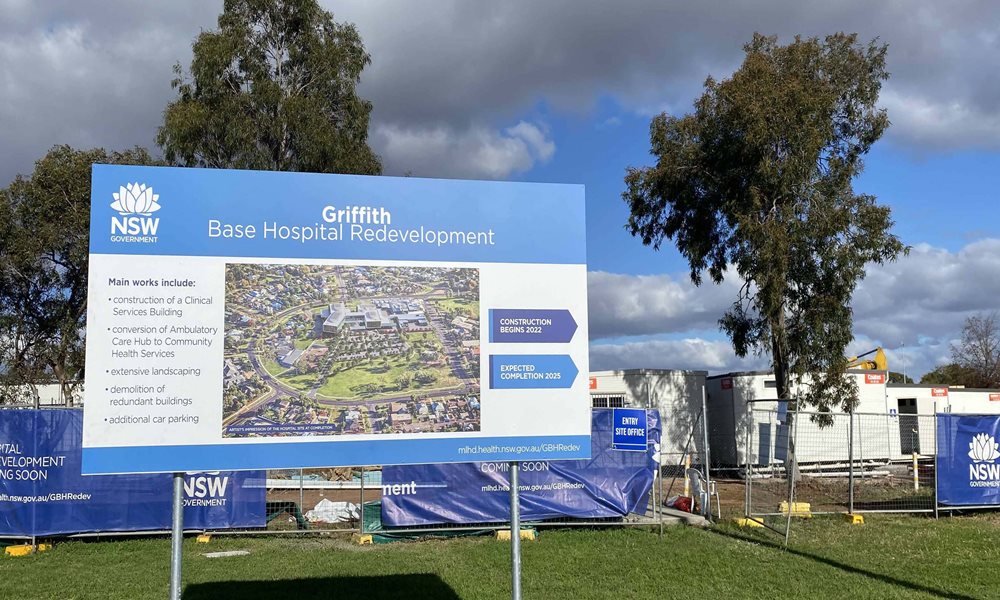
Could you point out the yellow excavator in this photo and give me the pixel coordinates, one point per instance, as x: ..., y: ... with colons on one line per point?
x: 878, y: 363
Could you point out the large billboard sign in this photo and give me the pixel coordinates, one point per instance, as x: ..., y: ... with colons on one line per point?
x: 245, y: 319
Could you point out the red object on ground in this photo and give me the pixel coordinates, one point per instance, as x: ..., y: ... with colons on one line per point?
x: 682, y: 503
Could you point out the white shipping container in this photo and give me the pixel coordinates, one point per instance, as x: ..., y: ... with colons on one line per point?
x: 676, y: 394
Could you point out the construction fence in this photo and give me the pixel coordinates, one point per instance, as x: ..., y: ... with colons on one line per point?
x: 840, y: 463
x: 347, y: 499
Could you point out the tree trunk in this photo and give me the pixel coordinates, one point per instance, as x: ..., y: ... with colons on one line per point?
x: 780, y: 363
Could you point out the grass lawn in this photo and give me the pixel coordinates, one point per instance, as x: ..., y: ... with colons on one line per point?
x: 428, y: 337
x: 303, y: 343
x: 469, y: 307
x: 344, y: 383
x: 889, y: 557
x: 271, y: 366
x: 300, y: 382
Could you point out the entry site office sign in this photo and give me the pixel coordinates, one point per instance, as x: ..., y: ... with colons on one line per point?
x: 629, y: 429
x: 246, y: 320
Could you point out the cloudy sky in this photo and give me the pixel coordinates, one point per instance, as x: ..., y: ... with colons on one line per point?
x: 563, y: 91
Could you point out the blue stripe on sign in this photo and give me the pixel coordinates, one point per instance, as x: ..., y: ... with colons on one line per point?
x: 345, y: 453
x: 425, y: 219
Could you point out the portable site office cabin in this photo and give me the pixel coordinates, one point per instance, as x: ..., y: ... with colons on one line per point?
x: 676, y: 394
x: 925, y: 399
x: 909, y: 400
x: 46, y: 394
x: 891, y: 420
x: 733, y: 399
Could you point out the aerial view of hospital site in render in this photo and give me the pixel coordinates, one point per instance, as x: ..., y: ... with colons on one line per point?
x: 340, y: 350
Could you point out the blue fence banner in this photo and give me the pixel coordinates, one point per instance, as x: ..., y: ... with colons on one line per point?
x: 629, y: 431
x: 532, y: 371
x: 43, y: 493
x: 610, y: 484
x: 536, y: 326
x: 968, y: 461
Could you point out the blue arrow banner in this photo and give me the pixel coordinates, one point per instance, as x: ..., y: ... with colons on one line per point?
x: 544, y: 326
x: 531, y: 371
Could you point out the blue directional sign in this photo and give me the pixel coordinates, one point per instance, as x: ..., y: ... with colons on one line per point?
x: 512, y: 325
x: 629, y: 429
x: 531, y: 371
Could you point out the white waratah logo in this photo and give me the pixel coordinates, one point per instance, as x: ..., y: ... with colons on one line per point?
x: 135, y: 199
x: 983, y: 448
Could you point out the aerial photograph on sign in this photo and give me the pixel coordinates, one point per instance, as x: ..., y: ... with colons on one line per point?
x: 339, y: 350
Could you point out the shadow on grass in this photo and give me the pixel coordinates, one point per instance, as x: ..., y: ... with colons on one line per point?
x: 419, y: 585
x: 916, y: 587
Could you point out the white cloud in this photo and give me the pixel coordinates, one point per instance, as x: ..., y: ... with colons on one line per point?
x: 621, y: 305
x: 447, y: 71
x: 929, y: 293
x: 693, y: 353
x: 922, y: 122
x: 915, y: 307
x: 653, y: 55
x: 476, y: 152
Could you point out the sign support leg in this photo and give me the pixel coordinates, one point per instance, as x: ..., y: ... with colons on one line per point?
x: 706, y: 509
x: 361, y: 526
x: 850, y: 465
x: 515, y: 534
x: 177, y: 537
x: 936, y: 442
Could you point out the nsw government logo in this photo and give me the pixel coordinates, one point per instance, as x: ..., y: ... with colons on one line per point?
x: 984, y: 470
x: 136, y: 203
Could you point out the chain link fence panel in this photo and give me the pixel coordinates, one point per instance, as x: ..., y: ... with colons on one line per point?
x: 841, y: 463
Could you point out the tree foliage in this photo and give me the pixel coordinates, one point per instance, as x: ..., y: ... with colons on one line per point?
x: 44, y: 249
x: 273, y: 88
x: 950, y: 374
x: 895, y: 377
x: 756, y: 183
x: 978, y: 351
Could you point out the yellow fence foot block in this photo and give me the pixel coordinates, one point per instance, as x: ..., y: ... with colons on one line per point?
x: 203, y: 538
x: 362, y: 540
x: 503, y: 535
x: 748, y: 523
x: 854, y: 519
x: 26, y: 549
x: 799, y: 509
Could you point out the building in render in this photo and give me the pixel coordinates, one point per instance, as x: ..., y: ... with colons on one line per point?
x: 376, y: 315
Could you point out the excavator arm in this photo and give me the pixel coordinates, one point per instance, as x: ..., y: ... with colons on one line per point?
x: 877, y: 363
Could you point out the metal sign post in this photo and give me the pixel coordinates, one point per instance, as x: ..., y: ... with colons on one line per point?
x: 706, y: 509
x: 850, y: 463
x: 936, y: 442
x: 177, y: 537
x: 515, y: 534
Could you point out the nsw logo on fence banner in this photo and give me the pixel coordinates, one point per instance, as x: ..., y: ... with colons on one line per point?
x: 135, y: 203
x: 205, y: 489
x: 984, y: 470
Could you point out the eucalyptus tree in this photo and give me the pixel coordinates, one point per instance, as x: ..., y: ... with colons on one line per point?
x: 273, y: 88
x: 44, y: 251
x: 757, y: 184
